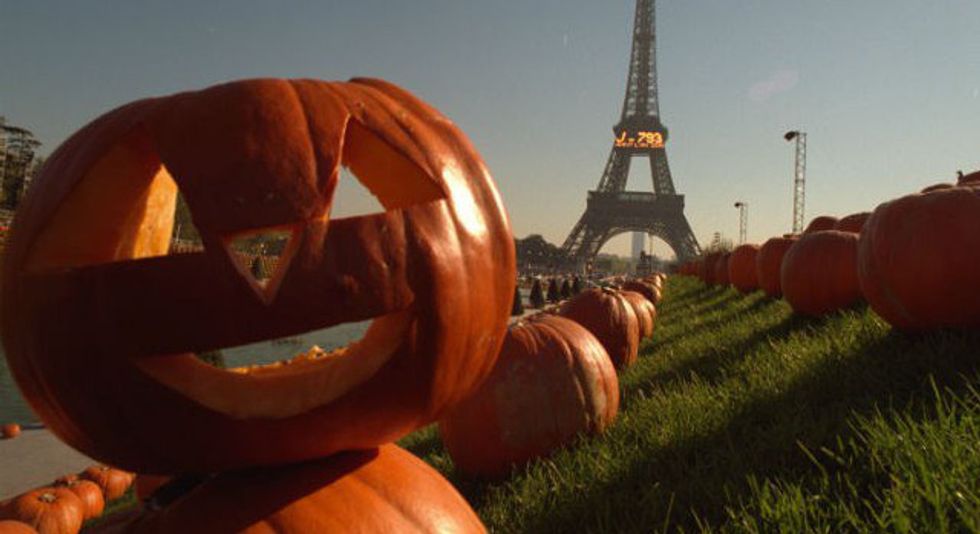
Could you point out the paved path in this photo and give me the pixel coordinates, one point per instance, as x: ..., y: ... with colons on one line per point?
x: 35, y: 458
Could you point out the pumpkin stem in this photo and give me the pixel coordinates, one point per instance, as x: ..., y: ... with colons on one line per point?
x: 47, y: 497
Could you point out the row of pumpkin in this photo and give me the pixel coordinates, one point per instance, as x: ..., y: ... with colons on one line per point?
x: 555, y: 379
x: 915, y: 260
x: 66, y: 504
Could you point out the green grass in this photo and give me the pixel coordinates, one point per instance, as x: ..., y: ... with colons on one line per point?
x: 741, y: 416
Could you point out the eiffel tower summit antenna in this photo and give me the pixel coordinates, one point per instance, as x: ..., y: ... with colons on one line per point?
x: 610, y: 208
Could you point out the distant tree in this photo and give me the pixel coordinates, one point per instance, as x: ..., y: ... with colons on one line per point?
x: 576, y: 285
x: 537, y: 294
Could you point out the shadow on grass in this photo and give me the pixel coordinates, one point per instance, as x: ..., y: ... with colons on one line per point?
x: 704, y: 474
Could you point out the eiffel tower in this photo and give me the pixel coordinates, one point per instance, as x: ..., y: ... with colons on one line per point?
x: 611, y: 209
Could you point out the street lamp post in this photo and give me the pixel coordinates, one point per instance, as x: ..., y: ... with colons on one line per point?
x: 799, y: 178
x: 743, y: 221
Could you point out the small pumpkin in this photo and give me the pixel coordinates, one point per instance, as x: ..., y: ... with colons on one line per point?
x: 646, y: 312
x: 49, y: 510
x: 610, y: 318
x: 377, y: 490
x: 742, y: 268
x: 88, y: 492
x: 819, y: 272
x: 86, y: 269
x: 10, y: 430
x: 919, y: 259
x: 853, y: 223
x: 114, y: 482
x: 769, y: 261
x: 552, y: 382
x: 821, y: 223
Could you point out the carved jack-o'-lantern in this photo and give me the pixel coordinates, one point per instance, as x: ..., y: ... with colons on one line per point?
x: 100, y: 323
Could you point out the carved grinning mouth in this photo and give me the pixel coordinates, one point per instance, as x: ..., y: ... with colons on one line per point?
x: 127, y: 247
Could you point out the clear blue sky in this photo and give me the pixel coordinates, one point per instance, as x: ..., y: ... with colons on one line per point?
x: 888, y: 90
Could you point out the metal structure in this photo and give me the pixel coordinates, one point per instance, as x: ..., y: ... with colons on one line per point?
x: 799, y: 178
x: 743, y: 221
x: 17, y: 147
x: 611, y: 209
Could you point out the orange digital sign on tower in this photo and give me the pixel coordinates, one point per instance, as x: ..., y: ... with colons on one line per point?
x: 640, y: 140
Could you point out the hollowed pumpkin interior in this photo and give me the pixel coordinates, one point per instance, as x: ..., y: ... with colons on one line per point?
x: 123, y: 209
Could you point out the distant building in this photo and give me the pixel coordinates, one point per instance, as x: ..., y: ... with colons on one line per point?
x: 17, y: 162
x: 639, y: 245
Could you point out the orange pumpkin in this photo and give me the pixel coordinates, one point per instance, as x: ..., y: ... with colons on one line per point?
x: 114, y: 482
x: 553, y: 381
x: 853, y: 223
x: 49, y: 510
x: 821, y: 223
x: 93, y: 500
x: 919, y: 259
x: 741, y: 268
x: 10, y: 430
x: 819, y: 272
x: 652, y: 291
x: 610, y: 318
x: 9, y: 526
x: 378, y: 490
x: 769, y: 261
x: 86, y: 270
x: 646, y: 313
x: 968, y: 179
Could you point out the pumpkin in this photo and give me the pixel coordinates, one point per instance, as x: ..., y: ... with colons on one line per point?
x: 769, y: 261
x: 114, y: 482
x: 145, y: 485
x: 919, y: 259
x: 646, y: 313
x: 91, y: 296
x: 852, y: 223
x: 819, y: 272
x: 708, y: 267
x: 967, y: 179
x: 93, y: 500
x: 9, y: 526
x: 936, y: 187
x: 49, y: 510
x: 821, y: 223
x: 652, y: 292
x: 552, y: 382
x: 10, y: 430
x: 741, y: 268
x: 610, y: 318
x: 378, y: 490
x: 721, y: 269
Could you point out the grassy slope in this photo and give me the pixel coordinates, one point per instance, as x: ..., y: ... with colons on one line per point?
x: 741, y: 416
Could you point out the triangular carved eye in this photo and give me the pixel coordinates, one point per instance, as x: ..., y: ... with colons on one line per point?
x: 262, y: 256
